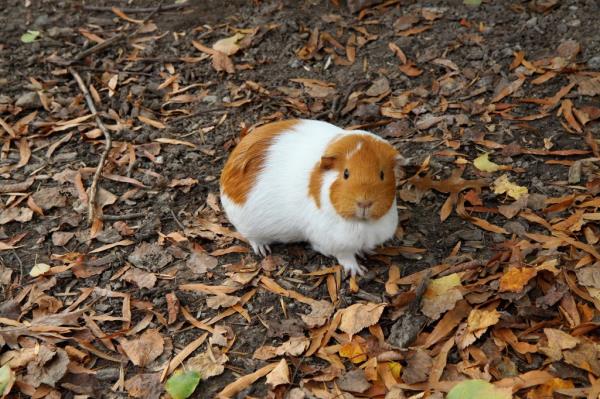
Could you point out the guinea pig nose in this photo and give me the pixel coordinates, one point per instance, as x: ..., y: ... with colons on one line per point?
x: 364, y: 204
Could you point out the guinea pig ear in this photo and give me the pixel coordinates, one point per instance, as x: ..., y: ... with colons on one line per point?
x: 399, y: 163
x: 327, y: 162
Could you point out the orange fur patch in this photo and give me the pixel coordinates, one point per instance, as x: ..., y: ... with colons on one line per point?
x: 365, y: 158
x: 247, y: 158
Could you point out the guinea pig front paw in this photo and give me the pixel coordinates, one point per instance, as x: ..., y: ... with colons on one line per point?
x: 260, y: 248
x: 350, y: 265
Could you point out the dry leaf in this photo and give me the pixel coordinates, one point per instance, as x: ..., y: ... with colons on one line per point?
x: 359, y: 316
x: 145, y: 349
x: 502, y: 185
x: 280, y: 375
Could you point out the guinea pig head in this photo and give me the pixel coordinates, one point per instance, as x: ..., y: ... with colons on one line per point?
x: 365, y: 186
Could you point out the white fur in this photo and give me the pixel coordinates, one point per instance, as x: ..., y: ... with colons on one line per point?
x: 279, y: 208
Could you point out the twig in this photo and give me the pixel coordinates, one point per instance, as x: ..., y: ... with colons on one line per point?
x: 100, y: 46
x: 181, y: 226
x: 107, y: 144
x: 127, y: 216
x: 169, y: 7
x: 116, y: 38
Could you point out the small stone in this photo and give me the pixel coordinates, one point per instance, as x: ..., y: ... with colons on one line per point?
x: 594, y: 62
x: 28, y: 100
x: 475, y: 53
x: 209, y: 99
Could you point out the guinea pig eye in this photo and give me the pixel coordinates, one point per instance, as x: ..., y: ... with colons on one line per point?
x: 346, y: 174
x: 381, y: 175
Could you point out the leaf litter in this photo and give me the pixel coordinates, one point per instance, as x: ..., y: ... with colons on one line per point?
x: 489, y: 288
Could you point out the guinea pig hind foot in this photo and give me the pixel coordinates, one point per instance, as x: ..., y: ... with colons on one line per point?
x: 350, y: 265
x: 260, y: 248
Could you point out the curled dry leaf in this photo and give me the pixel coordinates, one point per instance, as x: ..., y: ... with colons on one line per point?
x: 294, y: 347
x: 221, y: 301
x: 359, y: 316
x: 141, y: 278
x: 441, y: 296
x: 480, y: 319
x: 320, y: 311
x: 503, y: 186
x: 209, y: 364
x: 144, y: 386
x: 515, y: 278
x: 21, y: 215
x: 47, y: 367
x: 280, y: 375
x: 145, y: 349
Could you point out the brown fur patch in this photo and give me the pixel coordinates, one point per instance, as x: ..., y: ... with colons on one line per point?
x: 314, y: 186
x: 247, y: 158
x: 365, y: 158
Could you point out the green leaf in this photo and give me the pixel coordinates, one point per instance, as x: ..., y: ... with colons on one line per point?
x: 6, y: 376
x: 477, y: 389
x: 182, y: 384
x: 29, y: 36
x: 472, y: 3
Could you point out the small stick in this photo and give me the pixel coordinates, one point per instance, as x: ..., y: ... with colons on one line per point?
x: 100, y: 46
x: 127, y: 216
x: 138, y: 10
x: 116, y: 38
x: 108, y: 145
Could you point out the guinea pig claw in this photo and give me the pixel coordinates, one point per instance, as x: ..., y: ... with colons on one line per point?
x: 351, y: 266
x: 260, y: 249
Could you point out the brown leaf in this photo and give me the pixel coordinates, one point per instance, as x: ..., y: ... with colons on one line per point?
x: 144, y: 386
x: 151, y: 257
x: 418, y: 367
x: 409, y: 69
x: 151, y: 122
x: 201, y: 262
x: 245, y: 381
x: 47, y: 367
x: 295, y: 346
x: 354, y: 381
x: 359, y: 316
x: 145, y: 349
x: 506, y: 89
x: 21, y: 215
x: 173, y: 307
x: 319, y: 314
x: 280, y: 375
x: 208, y: 364
x: 221, y: 301
x: 49, y: 198
x: 221, y: 62
x: 139, y: 277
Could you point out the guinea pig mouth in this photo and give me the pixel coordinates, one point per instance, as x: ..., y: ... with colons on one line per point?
x: 362, y: 213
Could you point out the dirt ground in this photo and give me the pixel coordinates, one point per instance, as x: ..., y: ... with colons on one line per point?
x: 459, y: 76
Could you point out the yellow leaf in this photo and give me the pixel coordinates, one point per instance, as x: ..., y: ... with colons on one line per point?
x: 480, y: 319
x: 484, y: 164
x: 502, y: 185
x: 353, y: 351
x: 396, y: 369
x: 38, y: 269
x: 228, y: 45
x: 440, y: 285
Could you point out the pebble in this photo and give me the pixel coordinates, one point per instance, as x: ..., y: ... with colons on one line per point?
x: 594, y: 62
x: 28, y: 100
x: 209, y: 99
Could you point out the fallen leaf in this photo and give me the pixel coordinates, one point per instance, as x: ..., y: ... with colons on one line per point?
x: 353, y: 351
x: 39, y: 269
x: 182, y: 384
x: 359, y: 316
x: 502, y: 185
x: 441, y: 295
x: 221, y: 301
x: 145, y: 349
x: 144, y: 386
x: 47, y: 367
x: 21, y: 215
x: 477, y: 389
x: 208, y: 364
x: 481, y: 319
x: 229, y: 45
x: 354, y: 381
x: 7, y: 378
x: 201, y: 262
x: 484, y: 164
x: 515, y: 278
x: 280, y: 375
x: 141, y: 278
x: 295, y: 346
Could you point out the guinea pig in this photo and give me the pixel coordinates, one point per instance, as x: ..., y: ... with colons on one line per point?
x: 306, y: 180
